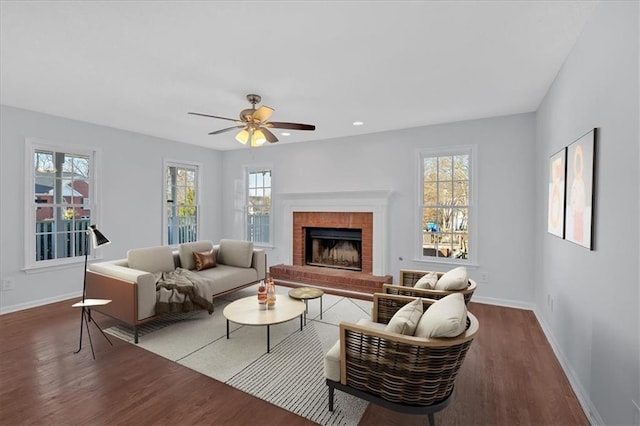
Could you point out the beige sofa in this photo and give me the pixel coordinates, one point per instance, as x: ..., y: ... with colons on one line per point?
x: 131, y: 283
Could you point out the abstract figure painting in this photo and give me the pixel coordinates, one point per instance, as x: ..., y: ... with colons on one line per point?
x: 557, y: 185
x: 580, y: 187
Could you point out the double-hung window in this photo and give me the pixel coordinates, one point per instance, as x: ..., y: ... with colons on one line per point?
x: 446, y: 205
x: 259, y: 217
x: 181, y: 208
x: 60, y: 203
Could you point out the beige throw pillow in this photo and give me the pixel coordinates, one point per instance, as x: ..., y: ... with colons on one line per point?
x: 447, y: 317
x: 427, y: 281
x: 455, y: 279
x: 405, y: 320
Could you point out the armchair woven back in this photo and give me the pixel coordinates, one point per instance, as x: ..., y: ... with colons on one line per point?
x: 402, y: 369
x: 408, y: 279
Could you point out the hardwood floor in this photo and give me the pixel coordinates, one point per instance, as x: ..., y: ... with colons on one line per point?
x: 510, y: 377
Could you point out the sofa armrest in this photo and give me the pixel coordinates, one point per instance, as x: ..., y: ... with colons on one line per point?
x: 145, y: 284
x: 259, y: 263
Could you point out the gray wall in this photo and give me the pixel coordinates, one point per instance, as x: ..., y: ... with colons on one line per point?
x: 594, y: 323
x: 387, y: 161
x: 130, y: 197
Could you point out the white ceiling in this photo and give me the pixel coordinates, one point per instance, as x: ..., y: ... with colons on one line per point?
x: 142, y: 65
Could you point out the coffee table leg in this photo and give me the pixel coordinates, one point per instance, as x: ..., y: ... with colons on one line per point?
x: 227, y: 329
x: 320, y: 307
x: 305, y: 321
x: 268, y: 339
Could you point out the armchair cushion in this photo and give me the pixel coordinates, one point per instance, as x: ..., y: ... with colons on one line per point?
x: 455, y: 279
x: 447, y: 317
x: 427, y: 281
x: 405, y: 320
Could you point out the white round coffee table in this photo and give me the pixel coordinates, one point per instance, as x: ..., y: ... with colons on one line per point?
x: 246, y: 311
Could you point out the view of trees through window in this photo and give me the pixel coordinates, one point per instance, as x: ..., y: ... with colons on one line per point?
x: 445, y: 206
x: 258, y: 206
x: 61, y: 195
x: 182, y: 207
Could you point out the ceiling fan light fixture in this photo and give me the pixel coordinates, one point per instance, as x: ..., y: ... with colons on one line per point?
x: 258, y: 138
x: 243, y: 136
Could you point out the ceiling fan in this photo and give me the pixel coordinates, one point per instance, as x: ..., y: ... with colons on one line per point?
x: 254, y: 124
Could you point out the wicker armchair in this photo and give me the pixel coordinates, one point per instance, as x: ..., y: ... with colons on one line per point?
x: 408, y: 278
x: 413, y: 375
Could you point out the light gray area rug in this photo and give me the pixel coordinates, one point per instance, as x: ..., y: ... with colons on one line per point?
x: 291, y: 376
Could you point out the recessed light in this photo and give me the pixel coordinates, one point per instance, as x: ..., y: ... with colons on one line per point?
x: 285, y: 134
x: 358, y: 123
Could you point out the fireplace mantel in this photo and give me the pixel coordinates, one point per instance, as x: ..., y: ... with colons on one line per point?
x: 374, y: 201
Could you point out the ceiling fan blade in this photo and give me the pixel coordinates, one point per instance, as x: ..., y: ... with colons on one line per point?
x: 268, y: 135
x: 225, y: 130
x: 215, y: 116
x: 292, y: 126
x: 263, y: 113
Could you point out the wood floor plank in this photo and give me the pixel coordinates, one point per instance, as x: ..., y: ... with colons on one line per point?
x: 510, y: 377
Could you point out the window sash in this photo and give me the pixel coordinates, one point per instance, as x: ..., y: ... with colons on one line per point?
x: 259, y: 204
x: 445, y: 214
x: 59, y: 202
x: 181, y: 222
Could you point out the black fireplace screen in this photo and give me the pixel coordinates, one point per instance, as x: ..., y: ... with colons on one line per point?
x: 334, y: 247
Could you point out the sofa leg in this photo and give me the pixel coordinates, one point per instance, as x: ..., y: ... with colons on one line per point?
x: 331, y: 390
x: 135, y: 334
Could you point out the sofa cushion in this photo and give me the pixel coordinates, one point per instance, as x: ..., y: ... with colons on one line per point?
x: 447, y: 317
x: 427, y: 281
x: 405, y: 320
x: 236, y: 253
x: 204, y: 259
x: 186, y: 250
x: 151, y: 259
x: 455, y: 279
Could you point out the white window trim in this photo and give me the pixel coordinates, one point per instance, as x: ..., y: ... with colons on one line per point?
x: 32, y: 144
x: 165, y: 221
x: 472, y: 151
x: 246, y: 169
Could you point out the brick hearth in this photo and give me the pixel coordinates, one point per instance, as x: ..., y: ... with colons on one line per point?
x: 328, y: 278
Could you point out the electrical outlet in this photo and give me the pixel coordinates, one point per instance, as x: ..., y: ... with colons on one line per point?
x: 8, y: 285
x: 484, y: 277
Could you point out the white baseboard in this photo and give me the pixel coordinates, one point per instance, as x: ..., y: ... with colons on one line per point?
x: 587, y: 405
x: 36, y: 303
x: 502, y: 302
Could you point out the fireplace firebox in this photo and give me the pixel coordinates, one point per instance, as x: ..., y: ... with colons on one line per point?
x: 339, y: 248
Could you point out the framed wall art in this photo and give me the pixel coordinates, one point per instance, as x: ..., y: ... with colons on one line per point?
x: 557, y: 191
x: 579, y: 218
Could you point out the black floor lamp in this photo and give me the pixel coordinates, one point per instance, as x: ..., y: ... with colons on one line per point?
x: 97, y: 239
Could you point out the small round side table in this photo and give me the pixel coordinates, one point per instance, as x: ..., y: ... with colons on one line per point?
x: 307, y: 293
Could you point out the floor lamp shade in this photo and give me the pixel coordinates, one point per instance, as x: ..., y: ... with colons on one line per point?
x: 97, y: 238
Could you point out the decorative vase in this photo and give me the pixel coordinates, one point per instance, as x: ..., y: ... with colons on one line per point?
x: 271, y: 294
x: 262, y: 295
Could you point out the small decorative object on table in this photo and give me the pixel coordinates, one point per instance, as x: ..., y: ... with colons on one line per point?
x: 262, y: 295
x: 271, y: 294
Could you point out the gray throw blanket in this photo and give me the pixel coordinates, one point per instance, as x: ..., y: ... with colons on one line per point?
x: 182, y: 291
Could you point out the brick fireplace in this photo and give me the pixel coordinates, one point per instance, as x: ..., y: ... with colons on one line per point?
x: 328, y: 276
x: 362, y: 221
